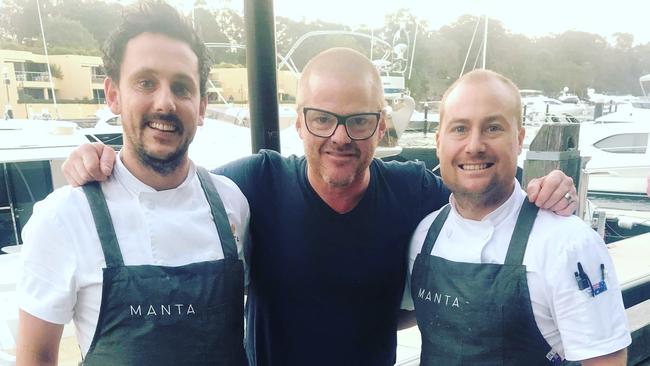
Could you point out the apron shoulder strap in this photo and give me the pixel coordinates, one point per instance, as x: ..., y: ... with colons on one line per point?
x: 219, y: 215
x: 519, y: 239
x: 103, y: 224
x: 434, y: 230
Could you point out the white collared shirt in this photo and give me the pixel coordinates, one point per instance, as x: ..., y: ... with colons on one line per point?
x: 63, y: 259
x: 577, y: 326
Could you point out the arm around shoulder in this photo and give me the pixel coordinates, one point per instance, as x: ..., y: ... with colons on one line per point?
x: 38, y: 341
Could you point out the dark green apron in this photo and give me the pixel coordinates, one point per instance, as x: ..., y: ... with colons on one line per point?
x: 477, y: 314
x: 159, y: 315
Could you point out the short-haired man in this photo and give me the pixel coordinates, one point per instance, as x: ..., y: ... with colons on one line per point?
x: 330, y: 229
x: 494, y: 280
x: 147, y: 264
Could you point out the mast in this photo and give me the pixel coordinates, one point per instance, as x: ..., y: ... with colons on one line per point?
x: 47, y: 59
x: 415, y: 38
x: 485, y: 40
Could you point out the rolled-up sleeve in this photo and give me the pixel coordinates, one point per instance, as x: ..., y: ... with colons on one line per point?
x: 47, y: 288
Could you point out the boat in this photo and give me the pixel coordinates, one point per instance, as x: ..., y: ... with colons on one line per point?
x: 240, y: 115
x: 545, y: 109
x: 619, y: 147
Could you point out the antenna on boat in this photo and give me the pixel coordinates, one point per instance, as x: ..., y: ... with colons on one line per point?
x: 47, y: 59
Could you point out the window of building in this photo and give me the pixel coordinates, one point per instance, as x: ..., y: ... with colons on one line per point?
x: 31, y: 94
x: 99, y: 96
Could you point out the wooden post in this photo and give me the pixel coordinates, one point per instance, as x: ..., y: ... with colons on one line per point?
x: 425, y: 128
x: 598, y: 110
x: 555, y: 147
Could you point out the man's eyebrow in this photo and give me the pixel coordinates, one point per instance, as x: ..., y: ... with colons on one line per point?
x: 495, y: 118
x: 459, y: 120
x: 175, y: 77
x: 142, y: 72
x: 184, y: 78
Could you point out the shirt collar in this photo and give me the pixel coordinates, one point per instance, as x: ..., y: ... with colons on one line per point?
x: 501, y: 213
x: 136, y: 186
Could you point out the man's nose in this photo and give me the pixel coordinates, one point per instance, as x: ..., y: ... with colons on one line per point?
x: 475, y: 143
x: 164, y: 101
x: 340, y: 135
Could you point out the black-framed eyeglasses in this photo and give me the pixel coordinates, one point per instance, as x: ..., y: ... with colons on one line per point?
x: 358, y: 126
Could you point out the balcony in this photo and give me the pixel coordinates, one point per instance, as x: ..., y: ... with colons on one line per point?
x: 97, y: 78
x: 32, y: 76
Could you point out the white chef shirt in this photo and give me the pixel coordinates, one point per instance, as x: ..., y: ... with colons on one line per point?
x: 63, y: 259
x: 576, y: 325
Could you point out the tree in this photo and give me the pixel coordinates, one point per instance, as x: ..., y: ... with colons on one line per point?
x: 623, y: 41
x: 97, y: 17
x: 68, y: 33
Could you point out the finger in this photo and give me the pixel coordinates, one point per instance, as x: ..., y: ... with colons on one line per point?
x: 553, y: 189
x: 89, y: 167
x: 533, y: 189
x: 81, y: 174
x: 565, y: 208
x: 107, y: 160
x: 69, y: 173
x: 559, y: 195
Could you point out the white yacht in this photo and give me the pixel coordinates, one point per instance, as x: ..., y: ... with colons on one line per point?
x: 618, y: 144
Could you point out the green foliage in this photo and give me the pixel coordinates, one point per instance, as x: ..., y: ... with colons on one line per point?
x: 56, y: 71
x: 64, y: 32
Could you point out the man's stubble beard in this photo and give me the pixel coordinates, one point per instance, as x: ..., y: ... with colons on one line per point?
x: 494, y: 194
x: 168, y: 164
x: 163, y: 166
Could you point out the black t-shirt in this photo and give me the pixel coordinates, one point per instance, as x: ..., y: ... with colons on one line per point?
x: 325, y: 288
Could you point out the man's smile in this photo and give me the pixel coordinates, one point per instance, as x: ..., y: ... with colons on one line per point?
x: 475, y: 166
x: 162, y: 126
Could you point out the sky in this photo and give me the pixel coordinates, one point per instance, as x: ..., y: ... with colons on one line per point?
x: 531, y: 18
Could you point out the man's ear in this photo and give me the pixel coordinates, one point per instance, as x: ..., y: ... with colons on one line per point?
x: 203, y: 106
x: 112, y: 93
x: 381, y: 130
x: 299, y: 126
x: 521, y: 136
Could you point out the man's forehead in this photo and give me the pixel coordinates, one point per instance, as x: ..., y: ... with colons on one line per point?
x: 156, y: 53
x: 324, y: 83
x: 485, y: 90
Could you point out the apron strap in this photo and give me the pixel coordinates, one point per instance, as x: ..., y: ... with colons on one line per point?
x: 434, y: 230
x: 103, y: 224
x: 519, y: 240
x: 219, y: 215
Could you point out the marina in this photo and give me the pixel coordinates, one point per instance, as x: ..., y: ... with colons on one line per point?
x: 613, y: 149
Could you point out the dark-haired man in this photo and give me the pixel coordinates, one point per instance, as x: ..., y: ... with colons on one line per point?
x: 147, y: 264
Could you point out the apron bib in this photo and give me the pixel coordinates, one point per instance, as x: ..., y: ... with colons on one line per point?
x: 162, y: 315
x: 477, y: 314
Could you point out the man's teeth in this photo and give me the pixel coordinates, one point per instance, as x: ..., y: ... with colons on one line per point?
x: 162, y: 126
x: 474, y: 166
